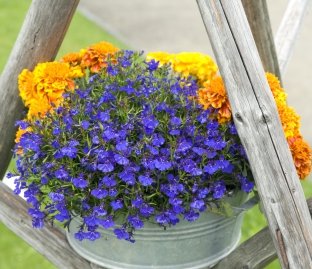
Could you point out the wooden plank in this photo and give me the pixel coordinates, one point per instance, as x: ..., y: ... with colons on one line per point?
x: 260, y: 130
x: 289, y: 29
x: 50, y: 241
x: 40, y: 37
x: 259, y: 22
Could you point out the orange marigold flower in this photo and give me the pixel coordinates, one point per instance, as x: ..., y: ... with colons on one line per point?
x: 96, y: 55
x: 40, y: 107
x: 301, y: 153
x: 290, y: 120
x: 52, y: 78
x: 277, y: 91
x: 214, y: 96
x: 71, y: 58
x: 26, y: 86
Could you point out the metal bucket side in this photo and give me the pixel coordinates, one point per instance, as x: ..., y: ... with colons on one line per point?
x: 193, y: 245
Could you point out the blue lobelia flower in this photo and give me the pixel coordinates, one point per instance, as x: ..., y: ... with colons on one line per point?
x: 99, y: 193
x: 122, y: 145
x: 56, y: 197
x: 85, y: 124
x: 61, y: 174
x: 145, y: 180
x: 80, y: 235
x: 137, y: 202
x: 106, y: 167
x: 191, y: 215
x: 122, y: 234
x: 80, y: 182
x: 146, y: 210
x: 109, y: 181
x: 162, y: 163
x: 127, y: 177
x: 121, y: 159
x: 135, y: 221
x: 176, y: 121
x: 99, y: 211
x: 107, y: 223
x: 211, y: 168
x: 197, y: 204
x: 92, y: 236
x: 219, y: 190
x: 117, y: 204
x: 184, y: 147
x: 70, y: 152
x: 152, y: 65
x: 91, y: 220
x: 55, y: 144
x: 161, y: 218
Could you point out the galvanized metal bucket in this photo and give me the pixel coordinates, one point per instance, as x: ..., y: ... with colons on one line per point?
x: 193, y: 245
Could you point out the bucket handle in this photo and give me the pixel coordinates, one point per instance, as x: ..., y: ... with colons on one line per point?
x: 246, y: 206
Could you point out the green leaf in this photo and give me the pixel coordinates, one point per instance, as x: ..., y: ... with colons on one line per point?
x: 226, y: 209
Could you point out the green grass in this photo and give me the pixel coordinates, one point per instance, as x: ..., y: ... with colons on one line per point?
x: 14, y: 252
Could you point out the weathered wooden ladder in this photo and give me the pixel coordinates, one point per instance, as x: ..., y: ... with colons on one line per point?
x: 289, y: 234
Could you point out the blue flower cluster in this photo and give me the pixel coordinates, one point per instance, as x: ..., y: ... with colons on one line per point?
x: 130, y: 141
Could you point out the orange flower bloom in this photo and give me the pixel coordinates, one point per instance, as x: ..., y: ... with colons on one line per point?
x: 214, y: 96
x: 71, y: 58
x: 46, y: 84
x: 40, y: 107
x: 289, y: 119
x: 26, y: 86
x: 52, y: 78
x: 301, y: 153
x: 96, y: 55
x: 277, y: 91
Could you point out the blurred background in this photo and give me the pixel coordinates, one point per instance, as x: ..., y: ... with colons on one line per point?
x: 156, y: 25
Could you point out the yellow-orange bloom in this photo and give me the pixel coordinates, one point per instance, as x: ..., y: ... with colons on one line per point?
x: 95, y: 56
x: 40, y: 107
x: 289, y: 119
x: 277, y: 91
x: 301, y: 153
x: 214, y: 96
x: 71, y: 58
x: 162, y: 57
x: 52, y: 78
x: 46, y: 84
x: 26, y: 86
x: 199, y: 65
x: 196, y: 64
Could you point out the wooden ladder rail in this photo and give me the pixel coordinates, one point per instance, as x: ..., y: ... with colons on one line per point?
x: 260, y: 130
x: 18, y: 50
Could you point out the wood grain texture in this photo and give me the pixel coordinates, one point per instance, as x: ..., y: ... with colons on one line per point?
x: 259, y: 127
x: 40, y: 37
x: 50, y: 241
x: 259, y: 22
x: 289, y: 30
